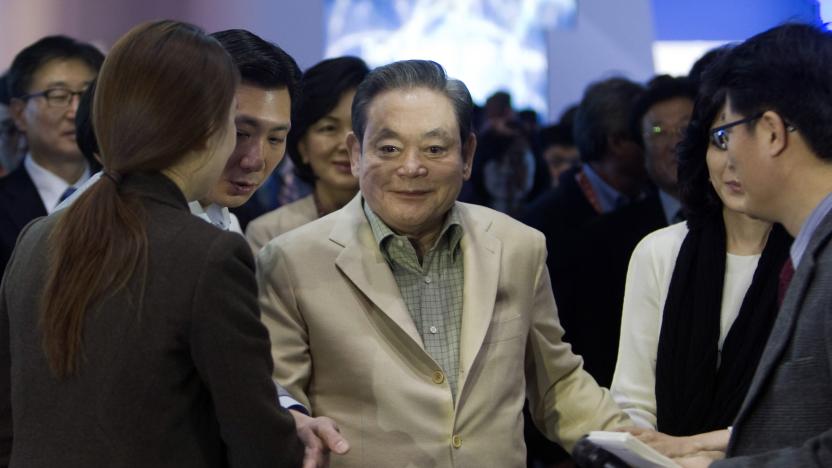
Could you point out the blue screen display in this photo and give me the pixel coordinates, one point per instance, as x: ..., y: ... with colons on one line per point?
x: 491, y: 45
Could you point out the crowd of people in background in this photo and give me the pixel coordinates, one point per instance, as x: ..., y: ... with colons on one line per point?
x: 423, y: 281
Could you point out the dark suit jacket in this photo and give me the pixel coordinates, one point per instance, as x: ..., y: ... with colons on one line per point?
x: 588, y: 258
x: 183, y: 382
x: 591, y: 314
x: 19, y: 204
x: 561, y: 214
x: 786, y: 418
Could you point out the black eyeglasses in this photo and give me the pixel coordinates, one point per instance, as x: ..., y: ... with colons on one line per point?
x: 56, y: 97
x: 719, y: 135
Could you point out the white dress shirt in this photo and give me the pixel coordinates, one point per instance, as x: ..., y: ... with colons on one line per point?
x: 217, y: 215
x: 49, y: 186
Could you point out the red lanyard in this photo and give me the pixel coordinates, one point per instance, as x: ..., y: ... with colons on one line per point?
x: 589, y: 192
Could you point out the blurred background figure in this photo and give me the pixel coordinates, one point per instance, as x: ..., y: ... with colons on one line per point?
x: 529, y: 122
x: 659, y: 118
x: 611, y: 177
x: 497, y: 112
x: 506, y: 173
x: 45, y: 83
x: 559, y: 151
x: 316, y: 144
x: 12, y: 147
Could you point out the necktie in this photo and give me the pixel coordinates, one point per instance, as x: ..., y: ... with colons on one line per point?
x: 785, y: 278
x: 67, y: 193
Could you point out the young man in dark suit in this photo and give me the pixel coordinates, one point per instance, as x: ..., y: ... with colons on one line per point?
x: 776, y: 130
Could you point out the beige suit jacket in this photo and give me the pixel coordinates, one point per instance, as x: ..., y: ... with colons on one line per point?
x: 345, y: 345
x: 274, y: 223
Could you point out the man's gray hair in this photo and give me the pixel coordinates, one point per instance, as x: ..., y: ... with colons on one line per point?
x: 408, y: 74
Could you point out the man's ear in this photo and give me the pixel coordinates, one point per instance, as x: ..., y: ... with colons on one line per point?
x: 773, y: 133
x: 354, y: 149
x: 16, y: 109
x: 468, y: 151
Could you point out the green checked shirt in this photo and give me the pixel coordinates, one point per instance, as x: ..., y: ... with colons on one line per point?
x: 432, y: 290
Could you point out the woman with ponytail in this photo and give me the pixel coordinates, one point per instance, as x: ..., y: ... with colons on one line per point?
x: 129, y: 329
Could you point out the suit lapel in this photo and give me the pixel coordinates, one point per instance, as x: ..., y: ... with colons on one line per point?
x: 24, y: 203
x: 362, y: 263
x: 481, y: 256
x: 783, y: 328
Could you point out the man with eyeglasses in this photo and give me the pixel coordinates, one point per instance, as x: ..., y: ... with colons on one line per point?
x: 611, y: 178
x: 44, y: 82
x: 775, y: 130
x: 659, y: 117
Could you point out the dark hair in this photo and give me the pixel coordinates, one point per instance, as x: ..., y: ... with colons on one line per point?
x: 567, y: 117
x: 528, y: 116
x: 261, y: 63
x: 498, y: 103
x: 29, y: 60
x: 558, y: 134
x: 704, y: 62
x: 785, y: 70
x: 321, y: 87
x: 9, y: 133
x: 163, y: 91
x: 412, y: 74
x: 5, y: 97
x: 604, y: 112
x: 659, y: 89
x: 698, y: 197
x: 84, y: 131
x: 493, y: 143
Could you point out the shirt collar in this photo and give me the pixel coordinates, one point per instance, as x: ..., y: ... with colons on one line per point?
x: 215, y: 214
x: 801, y: 241
x: 608, y: 197
x: 452, y: 229
x: 50, y: 187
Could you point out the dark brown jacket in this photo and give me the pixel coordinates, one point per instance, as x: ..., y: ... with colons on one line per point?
x: 183, y: 382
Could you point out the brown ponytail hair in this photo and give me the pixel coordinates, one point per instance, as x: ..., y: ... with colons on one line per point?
x: 164, y: 89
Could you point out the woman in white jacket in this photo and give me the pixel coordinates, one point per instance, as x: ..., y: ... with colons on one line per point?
x: 700, y: 299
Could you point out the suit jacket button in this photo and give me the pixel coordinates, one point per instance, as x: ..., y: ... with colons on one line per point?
x: 457, y: 441
x: 438, y: 377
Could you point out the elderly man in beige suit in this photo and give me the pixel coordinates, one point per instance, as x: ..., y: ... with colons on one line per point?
x: 419, y: 323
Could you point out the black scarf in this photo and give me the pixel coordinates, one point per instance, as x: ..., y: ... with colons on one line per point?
x: 692, y: 394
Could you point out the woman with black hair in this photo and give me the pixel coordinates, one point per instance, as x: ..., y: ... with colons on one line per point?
x: 700, y: 300
x: 317, y: 146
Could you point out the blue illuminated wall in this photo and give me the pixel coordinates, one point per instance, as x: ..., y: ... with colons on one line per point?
x: 726, y: 20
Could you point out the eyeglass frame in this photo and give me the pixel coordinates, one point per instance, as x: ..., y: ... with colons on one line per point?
x: 718, y: 135
x: 51, y: 101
